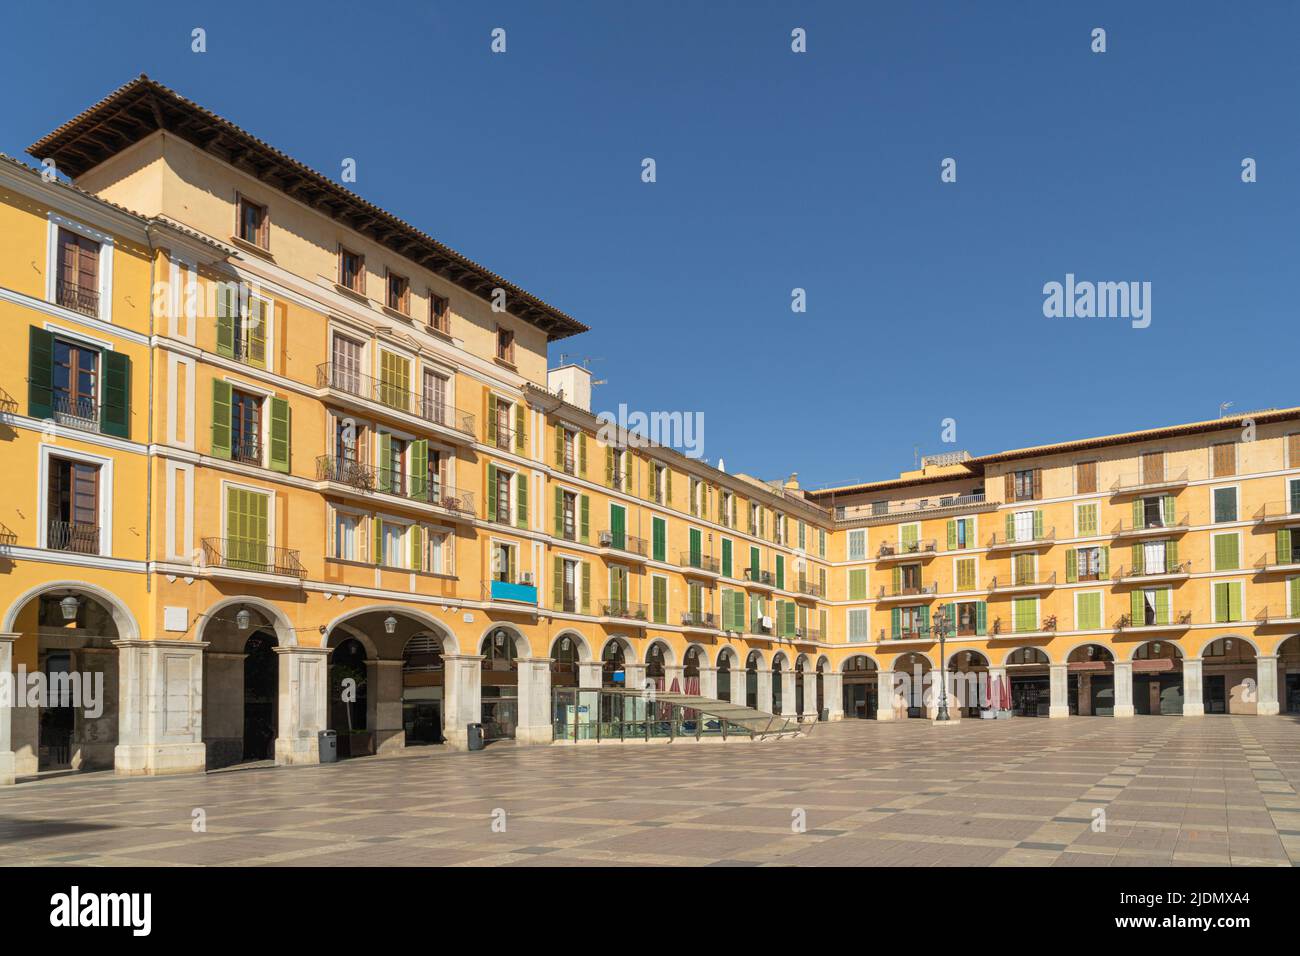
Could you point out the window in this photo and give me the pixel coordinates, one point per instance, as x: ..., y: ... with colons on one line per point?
x: 821, y: 542
x: 1024, y: 614
x: 909, y: 579
x: 253, y: 224
x: 394, y: 380
x: 1151, y: 607
x: 659, y: 483
x: 503, y: 562
x: 966, y: 618
x: 858, y: 545
x: 434, y: 397
x: 1225, y: 504
x: 346, y: 364
x: 659, y: 544
x: 1022, y: 568
x: 1152, y: 512
x: 77, y: 283
x: 1287, y: 546
x: 72, y: 507
x: 1085, y: 477
x: 501, y: 494
x: 1024, y: 525
x: 1087, y: 611
x: 1085, y: 520
x: 245, y: 427
x: 1025, y: 485
x: 346, y: 537
x: 1087, y: 564
x: 659, y: 599
x: 965, y: 574
x: 1153, y: 467
x: 435, y: 555
x: 778, y: 529
x: 399, y: 293
x: 1153, y: 557
x: 501, y: 422
x: 1227, y: 551
x: 1293, y: 496
x: 857, y: 585
x: 352, y: 271
x: 505, y: 346
x: 1225, y: 459
x: 394, y: 536
x: 909, y: 536
x: 1227, y: 602
x: 913, y: 621
x: 440, y: 313
x: 568, y: 585
x: 859, y: 624
x: 961, y: 533
x: 248, y: 530
x: 242, y: 323
x: 392, y: 464
x: 76, y: 385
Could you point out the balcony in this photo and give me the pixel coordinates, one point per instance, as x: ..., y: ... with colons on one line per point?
x: 1278, y: 512
x: 916, y: 550
x: 503, y: 437
x: 1150, y: 529
x: 1171, y: 572
x: 78, y: 299
x: 808, y: 633
x: 1022, y: 584
x: 1142, y: 484
x: 700, y: 620
x: 1274, y: 563
x: 350, y: 384
x: 1046, y: 628
x: 358, y: 478
x: 908, y: 634
x: 812, y: 588
x: 512, y: 593
x: 698, y: 562
x: 246, y: 450
x: 917, y: 592
x: 1266, y: 617
x: 78, y: 412
x: 763, y: 579
x: 1022, y: 542
x: 624, y: 542
x: 1180, y: 623
x: 71, y: 536
x: 569, y: 466
x: 245, y: 555
x: 623, y: 610
x: 892, y: 511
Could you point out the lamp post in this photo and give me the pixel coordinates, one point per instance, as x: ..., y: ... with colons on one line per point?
x: 941, y: 624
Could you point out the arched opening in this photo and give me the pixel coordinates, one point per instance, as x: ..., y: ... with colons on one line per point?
x: 1030, y: 674
x: 752, y: 663
x: 66, y: 646
x: 821, y: 688
x: 500, y: 687
x: 968, y: 673
x: 423, y: 688
x: 564, y: 662
x: 778, y: 690
x: 241, y: 683
x: 860, y: 687
x: 691, y: 671
x: 798, y: 685
x: 261, y: 696
x: 912, y: 694
x: 1091, y: 681
x: 349, y: 693
x: 613, y: 663
x: 724, y: 676
x: 1158, y: 678
x: 1230, y: 677
x: 1288, y: 664
x: 655, y: 665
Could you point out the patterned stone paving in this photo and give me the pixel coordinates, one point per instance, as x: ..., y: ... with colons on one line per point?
x: 1198, y: 791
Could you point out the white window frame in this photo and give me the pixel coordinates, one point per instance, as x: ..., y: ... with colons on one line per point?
x: 955, y: 580
x: 1101, y: 608
x: 105, y: 493
x: 1236, y: 493
x: 848, y: 625
x: 55, y: 221
x: 848, y: 545
x: 1079, y: 506
x: 1241, y: 557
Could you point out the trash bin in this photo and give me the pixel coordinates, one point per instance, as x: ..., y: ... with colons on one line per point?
x: 475, y: 732
x: 329, y: 746
x: 826, y: 715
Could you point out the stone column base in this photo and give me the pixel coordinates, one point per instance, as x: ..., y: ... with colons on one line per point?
x: 885, y: 714
x: 156, y: 760
x: 1056, y: 710
x: 1124, y: 710
x: 534, y: 736
x: 1193, y: 709
x: 297, y: 751
x: 8, y: 769
x: 1267, y: 710
x: 389, y: 742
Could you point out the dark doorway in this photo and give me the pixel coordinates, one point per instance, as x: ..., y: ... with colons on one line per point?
x: 58, y: 717
x: 1103, y: 695
x: 1030, y: 696
x: 347, y: 706
x: 1214, y: 694
x: 261, y: 695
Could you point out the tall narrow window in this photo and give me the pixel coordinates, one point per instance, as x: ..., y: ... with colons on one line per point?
x: 435, y: 397
x: 1225, y: 459
x: 352, y: 271
x: 399, y: 293
x: 76, y: 385
x: 506, y: 345
x: 345, y: 365
x: 73, y: 507
x: 1153, y: 467
x: 253, y: 224
x: 440, y: 313
x: 1085, y: 477
x: 77, y: 285
x: 245, y: 427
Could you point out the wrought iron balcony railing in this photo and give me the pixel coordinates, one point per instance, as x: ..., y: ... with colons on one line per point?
x: 1025, y: 539
x: 699, y: 619
x: 246, y: 450
x: 1148, y: 481
x: 1182, y: 620
x: 700, y: 562
x: 628, y: 610
x: 904, y: 549
x: 810, y: 586
x: 78, y: 299
x: 241, y: 554
x: 71, y: 536
x: 622, y: 541
x: 79, y: 412
x: 1169, y: 568
x: 760, y: 577
x: 351, y: 382
x: 889, y: 511
x: 1151, y: 526
x: 1026, y: 581
x: 367, y: 478
x: 905, y: 590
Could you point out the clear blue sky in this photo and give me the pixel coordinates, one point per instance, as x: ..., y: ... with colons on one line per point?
x: 778, y: 170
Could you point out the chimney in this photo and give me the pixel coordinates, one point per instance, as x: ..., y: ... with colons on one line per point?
x: 792, y: 483
x: 572, y: 383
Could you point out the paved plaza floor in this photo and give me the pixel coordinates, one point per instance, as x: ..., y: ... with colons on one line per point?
x: 1174, y: 791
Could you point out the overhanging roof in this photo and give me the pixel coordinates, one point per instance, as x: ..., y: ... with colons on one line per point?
x: 142, y: 107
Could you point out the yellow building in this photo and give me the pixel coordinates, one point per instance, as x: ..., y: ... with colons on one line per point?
x: 280, y: 462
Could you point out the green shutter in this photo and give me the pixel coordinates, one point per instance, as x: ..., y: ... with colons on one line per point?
x: 1139, y: 513
x: 618, y: 526
x: 584, y: 519
x: 659, y: 533
x: 559, y: 446
x: 1038, y: 525
x: 115, y: 414
x: 1137, y: 559
x: 1011, y: 526
x: 952, y: 534
x: 896, y: 579
x: 256, y: 325
x: 1104, y: 564
x: 609, y: 466
x: 981, y: 617
x: 923, y: 619
x: 521, y: 424
x: 726, y: 557
x: 582, y: 454
x: 40, y: 374
x: 660, y: 592
x: 895, y: 622
x: 858, y: 585
x: 696, y: 548
x: 753, y: 564
x: 789, y: 618
x: 491, y: 418
x: 1284, y: 546
x: 1071, y: 566
x: 586, y: 587
x: 220, y: 418
x: 280, y: 435
x: 521, y: 499
x: 1226, y: 556
x: 1170, y: 516
x: 1293, y: 591
x: 1171, y: 555
x: 491, y: 487
x: 226, y: 319
x: 780, y: 571
x: 378, y: 532
x: 1162, y: 606
x: 1137, y: 607
x: 557, y: 584
x: 559, y: 512
x: 417, y: 548
x: 384, y: 441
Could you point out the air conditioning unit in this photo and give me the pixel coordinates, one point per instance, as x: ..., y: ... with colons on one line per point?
x: 767, y: 623
x: 526, y: 577
x: 606, y: 539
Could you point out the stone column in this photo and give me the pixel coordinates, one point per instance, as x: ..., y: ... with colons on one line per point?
x: 384, y: 705
x: 765, y: 691
x: 739, y: 681
x: 303, y: 709
x: 634, y: 677
x: 160, y: 716
x: 1059, y: 675
x: 8, y: 700
x: 788, y: 693
x: 590, y: 674
x: 534, y: 725
x: 889, y: 684
x: 810, y: 695
x: 709, y: 682
x: 1124, y: 689
x: 463, y: 697
x: 1267, y: 686
x: 995, y: 674
x: 1193, y: 696
x: 674, y: 672
x: 833, y: 691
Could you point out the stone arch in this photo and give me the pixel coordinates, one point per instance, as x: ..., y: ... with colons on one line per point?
x: 924, y: 655
x: 982, y: 662
x: 758, y: 655
x: 580, y: 642
x: 728, y: 652
x: 1179, y: 655
x: 285, y: 634
x: 1006, y: 656
x: 874, y: 664
x: 629, y: 652
x: 450, y: 644
x: 522, y: 647
x: 1245, y: 639
x: 781, y: 658
x: 123, y: 619
x: 1069, y: 651
x: 670, y: 656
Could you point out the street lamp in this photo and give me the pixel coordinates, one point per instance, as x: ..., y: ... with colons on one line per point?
x: 941, y: 623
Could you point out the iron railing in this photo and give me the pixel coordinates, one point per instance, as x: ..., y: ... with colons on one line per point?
x: 699, y: 619
x: 892, y: 510
x: 1177, y: 567
x: 1182, y: 620
x: 1023, y: 581
x: 351, y: 382
x: 367, y: 478
x: 72, y: 536
x: 246, y: 450
x: 1178, y: 524
x: 901, y: 549
x: 242, y: 554
x: 629, y: 610
x: 78, y: 299
x: 760, y: 577
x: 1004, y: 541
x: 81, y: 412
x: 810, y: 586
x: 903, y: 590
x: 700, y: 562
x: 1131, y: 484
x: 622, y: 541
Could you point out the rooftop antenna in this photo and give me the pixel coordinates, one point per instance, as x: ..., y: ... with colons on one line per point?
x: 1223, y: 408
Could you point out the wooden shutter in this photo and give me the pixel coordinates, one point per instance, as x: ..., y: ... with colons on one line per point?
x: 40, y: 373
x: 1038, y: 483
x: 220, y: 418
x: 981, y: 617
x: 659, y: 530
x: 1293, y: 450
x: 521, y: 500
x: 280, y: 435
x: 582, y: 454
x: 586, y: 587
x: 557, y: 584
x: 1153, y: 467
x: 584, y: 519
x: 559, y: 512
x: 726, y: 557
x: 521, y: 425
x: 1085, y: 477
x: 609, y: 466
x: 1284, y: 546
x: 115, y: 413
x: 1225, y: 460
x: 419, y: 452
x: 1071, y: 566
x: 490, y: 416
x: 559, y: 446
x: 226, y: 319
x: 1010, y: 486
x: 491, y: 495
x: 385, y: 476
